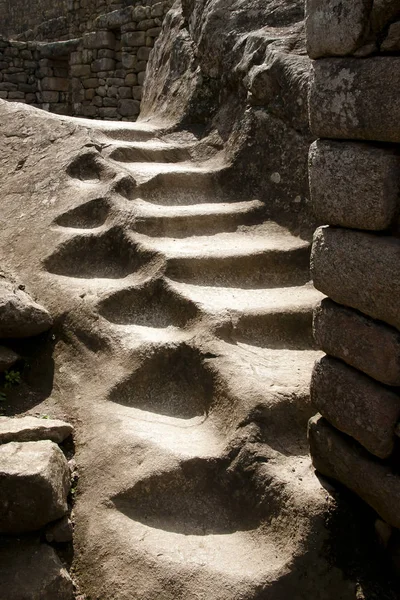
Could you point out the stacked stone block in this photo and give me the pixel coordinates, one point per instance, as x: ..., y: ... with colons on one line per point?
x: 98, y: 75
x: 354, y: 170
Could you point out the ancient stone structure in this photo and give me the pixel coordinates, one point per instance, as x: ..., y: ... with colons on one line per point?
x: 355, y: 190
x: 98, y: 73
x: 173, y: 256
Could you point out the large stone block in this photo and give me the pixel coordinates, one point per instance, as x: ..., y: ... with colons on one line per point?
x: 55, y: 84
x: 34, y: 485
x: 361, y: 342
x: 129, y: 108
x: 32, y: 571
x: 20, y: 316
x: 339, y: 457
x: 103, y: 64
x: 99, y: 39
x: 354, y: 185
x: 356, y: 405
x: 352, y: 98
x: 32, y: 429
x: 134, y: 39
x: 336, y: 27
x: 360, y: 270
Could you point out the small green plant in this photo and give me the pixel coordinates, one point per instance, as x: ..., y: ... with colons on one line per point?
x: 12, y: 378
x: 3, y: 397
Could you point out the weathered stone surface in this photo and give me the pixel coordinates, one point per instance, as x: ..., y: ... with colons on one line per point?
x: 32, y: 571
x: 363, y: 343
x: 392, y: 41
x: 134, y: 39
x: 339, y: 457
x: 56, y: 84
x: 31, y: 429
x: 356, y: 99
x: 103, y: 64
x: 60, y: 532
x: 360, y: 270
x: 20, y: 316
x: 336, y: 27
x: 354, y: 185
x: 34, y: 484
x: 7, y: 358
x: 129, y: 108
x: 99, y: 39
x: 356, y: 405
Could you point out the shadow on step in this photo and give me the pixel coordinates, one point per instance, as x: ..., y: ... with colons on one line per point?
x: 109, y: 255
x: 151, y: 305
x: 189, y: 500
x: 174, y: 381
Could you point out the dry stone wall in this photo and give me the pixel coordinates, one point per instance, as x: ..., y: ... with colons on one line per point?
x: 354, y: 170
x: 99, y: 74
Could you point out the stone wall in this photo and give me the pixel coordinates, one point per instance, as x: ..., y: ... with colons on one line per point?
x: 21, y: 15
x: 354, y: 170
x: 99, y: 74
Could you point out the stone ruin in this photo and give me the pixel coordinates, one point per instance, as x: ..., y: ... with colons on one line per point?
x: 97, y: 73
x: 220, y: 279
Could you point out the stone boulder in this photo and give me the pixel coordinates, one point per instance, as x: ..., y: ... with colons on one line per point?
x: 20, y: 316
x: 356, y: 405
x: 7, y: 358
x: 337, y: 456
x: 32, y: 429
x: 34, y: 485
x: 368, y: 345
x: 32, y: 571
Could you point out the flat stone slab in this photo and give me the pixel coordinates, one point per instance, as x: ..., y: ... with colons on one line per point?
x: 7, y: 358
x: 32, y: 571
x: 354, y: 185
x: 337, y: 27
x: 361, y: 342
x: 32, y: 429
x: 356, y: 404
x: 359, y: 270
x: 337, y: 456
x: 20, y: 316
x: 34, y: 485
x: 352, y: 98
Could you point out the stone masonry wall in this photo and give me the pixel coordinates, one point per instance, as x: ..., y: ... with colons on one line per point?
x: 354, y: 170
x: 99, y: 74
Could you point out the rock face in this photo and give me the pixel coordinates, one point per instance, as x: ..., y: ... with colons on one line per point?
x: 20, y: 316
x: 245, y: 76
x: 32, y: 571
x: 31, y: 429
x: 35, y: 481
